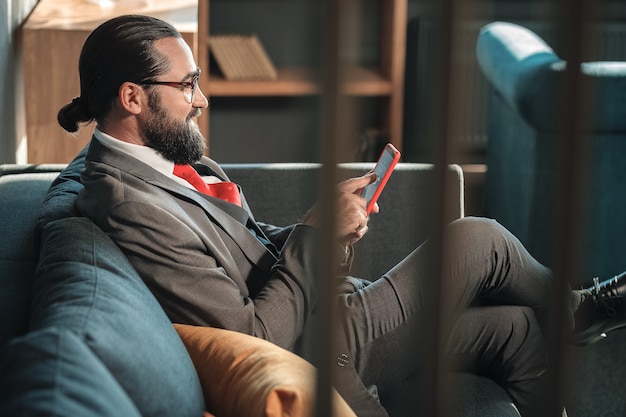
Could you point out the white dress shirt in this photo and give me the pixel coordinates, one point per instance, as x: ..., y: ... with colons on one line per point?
x: 146, y: 155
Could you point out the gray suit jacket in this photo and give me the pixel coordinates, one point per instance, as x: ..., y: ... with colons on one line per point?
x: 199, y: 255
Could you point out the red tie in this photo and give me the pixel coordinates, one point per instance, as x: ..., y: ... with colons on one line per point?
x: 224, y: 190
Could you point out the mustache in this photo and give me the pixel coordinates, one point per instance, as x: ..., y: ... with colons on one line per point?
x: 195, y: 112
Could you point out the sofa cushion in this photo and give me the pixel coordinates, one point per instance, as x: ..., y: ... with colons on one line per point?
x: 85, y: 284
x: 243, y: 375
x: 21, y: 196
x: 52, y: 372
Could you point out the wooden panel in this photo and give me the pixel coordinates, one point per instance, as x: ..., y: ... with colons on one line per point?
x: 52, y: 38
x: 51, y: 81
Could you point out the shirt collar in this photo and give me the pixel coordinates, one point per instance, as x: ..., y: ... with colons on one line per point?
x: 143, y: 153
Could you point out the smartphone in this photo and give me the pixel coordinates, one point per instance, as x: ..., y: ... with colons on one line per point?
x: 386, y: 162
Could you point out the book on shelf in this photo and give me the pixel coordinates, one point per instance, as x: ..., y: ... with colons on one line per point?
x: 242, y: 58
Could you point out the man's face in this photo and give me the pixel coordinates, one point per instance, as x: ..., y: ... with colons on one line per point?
x: 179, y: 141
x: 168, y: 125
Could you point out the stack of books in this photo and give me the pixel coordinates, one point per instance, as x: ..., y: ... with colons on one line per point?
x: 242, y: 58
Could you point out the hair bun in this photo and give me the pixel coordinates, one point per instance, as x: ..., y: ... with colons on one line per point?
x: 72, y: 115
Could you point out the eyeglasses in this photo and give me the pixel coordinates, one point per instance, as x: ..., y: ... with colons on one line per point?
x: 187, y: 87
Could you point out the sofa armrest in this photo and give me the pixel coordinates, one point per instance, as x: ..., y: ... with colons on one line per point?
x: 513, y: 59
x: 528, y: 75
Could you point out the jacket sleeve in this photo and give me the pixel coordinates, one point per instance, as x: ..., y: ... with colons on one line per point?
x: 205, y: 282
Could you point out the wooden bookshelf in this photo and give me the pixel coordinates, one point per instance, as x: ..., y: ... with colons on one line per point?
x: 386, y: 81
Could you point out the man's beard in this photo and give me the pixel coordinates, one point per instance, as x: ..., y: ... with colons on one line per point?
x: 179, y: 142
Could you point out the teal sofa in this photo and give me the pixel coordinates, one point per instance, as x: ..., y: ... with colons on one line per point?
x: 524, y: 73
x: 81, y: 335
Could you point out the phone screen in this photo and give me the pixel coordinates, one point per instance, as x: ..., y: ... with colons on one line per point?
x: 386, y: 162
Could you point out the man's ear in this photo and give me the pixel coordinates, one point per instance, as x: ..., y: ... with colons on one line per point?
x: 132, y: 97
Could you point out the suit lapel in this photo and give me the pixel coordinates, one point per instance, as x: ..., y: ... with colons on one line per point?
x: 252, y: 248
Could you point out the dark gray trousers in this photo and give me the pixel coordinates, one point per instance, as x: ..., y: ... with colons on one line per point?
x: 493, y: 293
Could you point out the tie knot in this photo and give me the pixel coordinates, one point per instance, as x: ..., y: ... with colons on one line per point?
x: 223, y: 190
x: 184, y: 171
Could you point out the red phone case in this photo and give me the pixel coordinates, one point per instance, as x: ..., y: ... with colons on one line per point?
x: 395, y: 156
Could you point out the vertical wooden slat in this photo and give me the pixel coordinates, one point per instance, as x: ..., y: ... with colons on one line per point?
x: 433, y: 395
x: 327, y: 256
x: 571, y: 192
x: 394, y: 28
x: 203, y: 60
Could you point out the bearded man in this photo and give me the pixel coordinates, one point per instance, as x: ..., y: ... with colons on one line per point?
x: 193, y: 239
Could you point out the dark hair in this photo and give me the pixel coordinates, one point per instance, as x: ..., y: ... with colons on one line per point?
x: 117, y: 51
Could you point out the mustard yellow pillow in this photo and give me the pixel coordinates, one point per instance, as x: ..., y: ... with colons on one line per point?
x: 243, y: 375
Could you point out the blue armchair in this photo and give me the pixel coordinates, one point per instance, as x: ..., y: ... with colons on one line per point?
x: 524, y: 73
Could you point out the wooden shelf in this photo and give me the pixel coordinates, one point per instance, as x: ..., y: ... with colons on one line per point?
x: 300, y: 82
x: 290, y: 82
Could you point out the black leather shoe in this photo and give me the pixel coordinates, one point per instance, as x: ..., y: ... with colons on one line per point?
x: 602, y: 311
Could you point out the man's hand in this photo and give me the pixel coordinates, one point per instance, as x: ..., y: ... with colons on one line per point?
x: 351, y: 217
